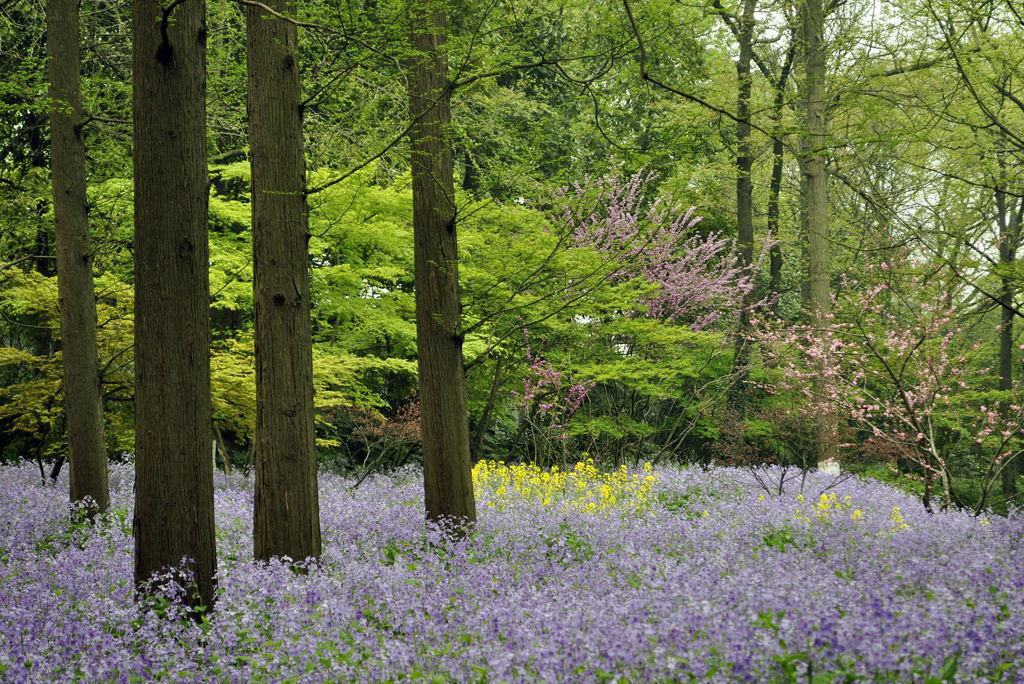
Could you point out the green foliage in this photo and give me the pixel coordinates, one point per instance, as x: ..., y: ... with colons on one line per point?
x: 233, y: 386
x: 519, y: 131
x: 569, y: 545
x: 689, y: 503
x: 887, y: 474
x: 780, y: 539
x: 31, y: 371
x: 346, y: 376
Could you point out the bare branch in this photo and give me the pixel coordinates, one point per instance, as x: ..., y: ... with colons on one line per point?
x: 284, y: 17
x: 366, y: 162
x: 30, y: 257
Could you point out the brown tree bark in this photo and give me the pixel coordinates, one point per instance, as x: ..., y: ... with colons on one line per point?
x: 447, y: 481
x: 82, y: 391
x: 744, y: 201
x: 815, y: 193
x: 775, y: 185
x: 1009, y: 219
x: 744, y: 156
x: 174, y: 476
x: 286, y: 520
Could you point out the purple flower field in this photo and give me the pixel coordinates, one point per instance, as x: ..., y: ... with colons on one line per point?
x: 715, y: 580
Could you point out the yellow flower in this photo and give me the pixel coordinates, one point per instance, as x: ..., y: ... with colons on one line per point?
x: 584, y: 488
x: 897, y: 519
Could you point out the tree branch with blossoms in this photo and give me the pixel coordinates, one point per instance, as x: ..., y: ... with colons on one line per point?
x: 901, y: 371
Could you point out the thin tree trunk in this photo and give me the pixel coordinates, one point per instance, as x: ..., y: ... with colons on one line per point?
x: 82, y: 393
x: 805, y: 250
x: 447, y: 481
x: 485, y: 416
x: 286, y: 518
x: 222, y: 450
x: 55, y: 469
x: 744, y: 203
x: 816, y: 196
x: 813, y: 162
x: 1009, y: 235
x: 471, y: 175
x: 744, y: 157
x: 775, y: 185
x: 947, y: 489
x: 174, y: 517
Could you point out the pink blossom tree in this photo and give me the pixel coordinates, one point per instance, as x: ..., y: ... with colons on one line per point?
x: 548, y: 401
x: 698, y: 276
x: 901, y: 370
x: 637, y: 275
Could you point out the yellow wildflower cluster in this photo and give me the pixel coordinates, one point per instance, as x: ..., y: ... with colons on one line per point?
x: 829, y: 506
x: 584, y: 488
x: 898, y: 523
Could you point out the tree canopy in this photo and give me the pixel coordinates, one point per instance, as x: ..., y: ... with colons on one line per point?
x: 580, y: 134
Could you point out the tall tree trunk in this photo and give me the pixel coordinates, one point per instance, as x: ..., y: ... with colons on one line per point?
x: 744, y: 201
x: 174, y: 476
x: 1009, y: 219
x: 447, y: 481
x: 815, y: 198
x: 744, y: 158
x: 774, y: 195
x: 82, y: 392
x: 775, y: 185
x: 286, y: 519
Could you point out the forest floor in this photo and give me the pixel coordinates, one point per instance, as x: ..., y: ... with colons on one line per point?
x: 654, y: 574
